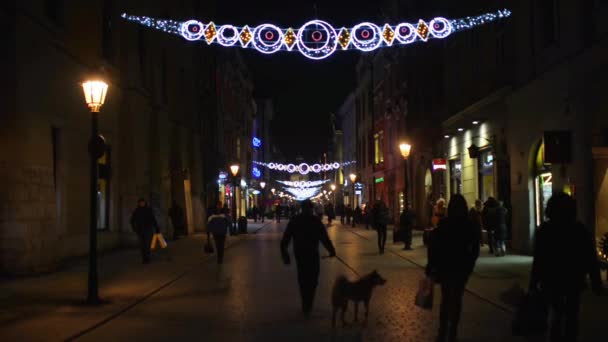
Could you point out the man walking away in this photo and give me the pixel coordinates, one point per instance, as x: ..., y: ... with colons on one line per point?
x: 489, y: 219
x: 278, y: 213
x: 380, y: 221
x: 475, y: 217
x: 307, y: 231
x: 406, y: 225
x: 453, y: 251
x: 501, y: 232
x: 178, y: 219
x: 144, y: 225
x: 564, y: 255
x: 218, y: 225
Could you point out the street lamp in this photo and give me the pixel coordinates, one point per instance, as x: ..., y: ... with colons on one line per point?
x: 273, y: 190
x: 95, y: 95
x: 262, y: 185
x: 263, y: 206
x: 405, y: 149
x: 353, y: 178
x: 234, y: 169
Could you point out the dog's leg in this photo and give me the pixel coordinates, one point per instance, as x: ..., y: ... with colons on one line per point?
x: 344, y: 308
x: 356, y: 311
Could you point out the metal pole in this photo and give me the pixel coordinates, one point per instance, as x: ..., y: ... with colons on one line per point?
x: 406, y: 181
x: 93, y: 289
x: 234, y: 206
x: 353, y: 207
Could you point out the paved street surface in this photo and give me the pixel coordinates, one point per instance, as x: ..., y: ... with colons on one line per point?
x: 184, y: 295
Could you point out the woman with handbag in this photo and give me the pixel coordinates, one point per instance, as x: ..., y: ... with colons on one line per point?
x: 453, y: 251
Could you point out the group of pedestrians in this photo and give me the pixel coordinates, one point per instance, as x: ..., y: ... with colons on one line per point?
x: 558, y: 278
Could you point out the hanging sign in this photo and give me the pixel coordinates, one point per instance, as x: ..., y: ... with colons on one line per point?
x: 440, y: 164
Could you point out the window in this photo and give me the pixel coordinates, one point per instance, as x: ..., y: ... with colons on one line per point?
x: 107, y: 27
x: 455, y: 177
x: 54, y: 11
x: 379, y: 147
x: 485, y: 177
x: 543, y: 184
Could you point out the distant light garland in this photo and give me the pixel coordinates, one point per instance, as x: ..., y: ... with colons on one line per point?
x: 303, y: 184
x: 303, y: 168
x: 303, y: 193
x: 317, y: 39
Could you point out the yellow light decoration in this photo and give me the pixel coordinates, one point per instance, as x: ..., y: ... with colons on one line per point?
x: 423, y: 30
x: 245, y: 36
x: 344, y: 38
x: 388, y: 34
x: 290, y: 38
x: 210, y: 32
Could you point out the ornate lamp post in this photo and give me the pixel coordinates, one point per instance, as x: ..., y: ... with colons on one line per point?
x: 95, y: 95
x: 405, y: 150
x: 234, y: 169
x: 263, y: 206
x: 353, y: 178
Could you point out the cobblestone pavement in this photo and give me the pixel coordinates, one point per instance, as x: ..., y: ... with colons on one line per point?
x: 253, y: 297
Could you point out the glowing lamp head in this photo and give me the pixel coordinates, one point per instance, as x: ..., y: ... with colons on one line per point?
x: 405, y: 149
x: 333, y: 187
x: 262, y: 185
x: 95, y: 94
x: 273, y: 190
x: 234, y: 169
x: 353, y: 177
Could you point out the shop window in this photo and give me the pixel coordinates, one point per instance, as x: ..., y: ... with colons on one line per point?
x: 379, y: 147
x: 455, y: 177
x: 543, y: 184
x: 485, y: 179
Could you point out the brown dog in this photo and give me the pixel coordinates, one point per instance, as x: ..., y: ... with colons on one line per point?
x: 357, y: 291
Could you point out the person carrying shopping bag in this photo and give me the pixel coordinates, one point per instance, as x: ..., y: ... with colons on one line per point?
x: 218, y: 225
x: 143, y: 223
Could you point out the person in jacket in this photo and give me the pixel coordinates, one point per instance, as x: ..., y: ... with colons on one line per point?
x: 330, y: 212
x: 278, y: 213
x: 453, y: 251
x: 306, y: 230
x: 564, y: 255
x: 407, y: 220
x: 143, y: 223
x: 178, y: 219
x: 475, y: 217
x: 490, y: 219
x: 358, y: 215
x: 379, y: 223
x: 439, y: 212
x: 500, y: 232
x: 349, y: 213
x: 218, y: 224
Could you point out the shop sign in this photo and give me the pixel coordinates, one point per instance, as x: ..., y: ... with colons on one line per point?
x: 440, y: 164
x: 379, y: 180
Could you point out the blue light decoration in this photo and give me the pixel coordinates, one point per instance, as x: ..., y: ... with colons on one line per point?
x: 317, y: 39
x: 256, y: 172
x: 256, y: 142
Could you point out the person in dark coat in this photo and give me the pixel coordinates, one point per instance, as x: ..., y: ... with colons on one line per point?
x: 489, y: 219
x: 218, y: 224
x: 453, y: 251
x: 278, y: 213
x: 349, y: 213
x: 358, y: 215
x: 564, y: 255
x: 178, y: 219
x: 406, y: 225
x: 379, y: 223
x: 500, y: 232
x: 475, y: 217
x: 331, y: 214
x: 307, y: 231
x: 144, y: 225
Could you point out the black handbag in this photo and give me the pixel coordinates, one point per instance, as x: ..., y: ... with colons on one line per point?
x: 531, y: 316
x: 208, y: 246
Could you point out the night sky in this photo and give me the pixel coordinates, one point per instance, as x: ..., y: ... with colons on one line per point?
x: 305, y: 91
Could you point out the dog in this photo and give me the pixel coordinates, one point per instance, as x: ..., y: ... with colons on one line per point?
x: 357, y: 291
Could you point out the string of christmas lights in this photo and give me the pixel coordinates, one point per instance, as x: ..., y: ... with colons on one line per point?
x: 317, y: 39
x: 303, y: 168
x: 303, y: 193
x: 303, y: 184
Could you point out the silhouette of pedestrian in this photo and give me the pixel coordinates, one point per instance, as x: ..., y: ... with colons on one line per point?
x: 564, y: 254
x: 489, y: 217
x: 278, y: 213
x: 379, y: 222
x: 306, y: 230
x: 406, y: 225
x: 453, y: 251
x: 178, y: 219
x: 475, y: 217
x: 144, y: 225
x: 500, y: 232
x: 218, y: 225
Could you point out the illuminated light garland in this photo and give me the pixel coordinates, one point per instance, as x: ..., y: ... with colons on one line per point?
x: 317, y: 39
x: 302, y: 194
x: 303, y: 184
x: 303, y: 168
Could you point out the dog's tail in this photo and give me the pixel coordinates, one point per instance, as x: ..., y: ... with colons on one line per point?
x: 337, y: 295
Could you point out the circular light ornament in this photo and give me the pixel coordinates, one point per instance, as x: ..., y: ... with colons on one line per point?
x: 366, y: 36
x: 440, y: 27
x: 405, y: 33
x: 304, y: 168
x: 336, y: 165
x: 291, y: 168
x: 316, y: 168
x: 192, y: 30
x: 267, y: 38
x: 272, y: 166
x: 317, y: 39
x: 227, y: 35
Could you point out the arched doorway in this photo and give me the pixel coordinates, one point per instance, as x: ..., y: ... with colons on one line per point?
x: 543, y: 183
